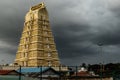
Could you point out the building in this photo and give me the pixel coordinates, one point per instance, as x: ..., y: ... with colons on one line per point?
x: 37, y: 47
x: 9, y: 72
x: 83, y: 74
x: 37, y: 72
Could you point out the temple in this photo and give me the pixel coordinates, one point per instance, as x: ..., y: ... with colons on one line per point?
x: 37, y: 46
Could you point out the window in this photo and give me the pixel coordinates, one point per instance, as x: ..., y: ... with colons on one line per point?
x: 24, y: 63
x: 40, y: 38
x: 49, y: 54
x: 49, y: 63
x: 26, y: 46
x: 29, y: 27
x: 44, y: 17
x: 45, y: 27
x: 41, y: 17
x: 47, y: 39
x: 40, y: 45
x: 25, y: 54
x: 23, y: 47
x: 48, y: 46
x: 46, y: 32
x: 27, y: 39
x: 28, y: 33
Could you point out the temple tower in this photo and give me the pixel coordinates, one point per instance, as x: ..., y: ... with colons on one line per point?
x: 37, y: 47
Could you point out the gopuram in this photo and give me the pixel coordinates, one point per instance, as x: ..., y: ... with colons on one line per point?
x: 37, y: 46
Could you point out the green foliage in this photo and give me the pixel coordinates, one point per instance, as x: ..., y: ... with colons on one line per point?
x: 106, y: 69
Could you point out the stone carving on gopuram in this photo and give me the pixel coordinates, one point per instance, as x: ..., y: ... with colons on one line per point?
x: 37, y: 46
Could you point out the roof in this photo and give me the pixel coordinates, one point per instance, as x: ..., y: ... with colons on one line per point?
x: 34, y: 69
x: 82, y: 73
x: 39, y: 6
x: 5, y: 72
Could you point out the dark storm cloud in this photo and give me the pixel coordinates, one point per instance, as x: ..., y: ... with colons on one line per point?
x: 8, y: 23
x: 75, y: 39
x: 108, y: 38
x: 78, y: 26
x: 115, y: 7
x: 11, y: 23
x: 83, y: 27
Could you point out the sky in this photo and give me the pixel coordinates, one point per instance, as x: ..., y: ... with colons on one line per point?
x: 85, y: 31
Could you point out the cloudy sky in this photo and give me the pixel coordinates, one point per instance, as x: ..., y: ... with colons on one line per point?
x: 78, y: 27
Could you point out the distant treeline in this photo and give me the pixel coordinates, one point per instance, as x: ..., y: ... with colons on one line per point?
x: 109, y: 69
